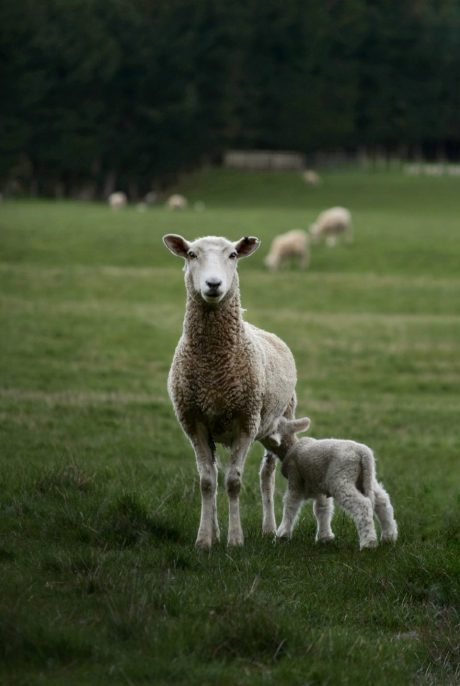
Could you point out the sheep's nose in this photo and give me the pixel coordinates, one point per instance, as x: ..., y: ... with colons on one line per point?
x: 213, y: 284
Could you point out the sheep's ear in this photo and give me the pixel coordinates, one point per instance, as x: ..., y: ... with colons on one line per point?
x: 275, y: 437
x: 176, y: 244
x: 298, y: 426
x: 246, y: 246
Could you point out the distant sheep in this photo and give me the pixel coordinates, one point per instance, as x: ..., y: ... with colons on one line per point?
x: 295, y: 243
x: 117, y: 200
x: 311, y: 178
x: 177, y: 202
x: 332, y: 223
x: 326, y: 469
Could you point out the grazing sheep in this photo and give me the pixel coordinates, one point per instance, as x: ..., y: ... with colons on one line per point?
x: 228, y: 381
x: 332, y: 223
x: 311, y: 178
x: 293, y: 243
x: 330, y: 468
x: 117, y: 200
x: 177, y: 202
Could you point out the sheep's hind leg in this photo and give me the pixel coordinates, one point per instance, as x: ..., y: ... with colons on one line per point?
x: 233, y: 484
x: 267, y: 490
x: 208, y: 531
x: 323, y: 509
x: 385, y: 515
x: 360, y: 508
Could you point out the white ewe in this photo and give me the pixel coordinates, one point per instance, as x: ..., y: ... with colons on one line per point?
x: 293, y: 243
x: 326, y: 469
x: 331, y: 223
x: 228, y: 381
x: 311, y: 177
x: 177, y: 202
x: 117, y: 200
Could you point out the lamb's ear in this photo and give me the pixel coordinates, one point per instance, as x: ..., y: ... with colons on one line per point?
x: 298, y: 426
x: 246, y: 246
x: 176, y: 244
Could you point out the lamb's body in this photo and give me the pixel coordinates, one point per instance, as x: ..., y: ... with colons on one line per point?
x: 332, y: 223
x: 293, y: 243
x: 332, y: 468
x: 228, y: 381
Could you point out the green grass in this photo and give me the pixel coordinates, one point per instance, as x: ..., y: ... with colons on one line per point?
x: 100, y: 502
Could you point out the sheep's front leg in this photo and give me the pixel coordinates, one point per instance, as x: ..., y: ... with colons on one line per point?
x: 208, y: 531
x: 233, y: 484
x: 323, y: 509
x: 291, y: 507
x: 267, y: 490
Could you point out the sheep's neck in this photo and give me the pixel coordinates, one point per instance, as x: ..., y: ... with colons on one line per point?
x: 208, y: 328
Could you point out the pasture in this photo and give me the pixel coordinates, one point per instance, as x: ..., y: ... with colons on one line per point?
x: 100, y: 499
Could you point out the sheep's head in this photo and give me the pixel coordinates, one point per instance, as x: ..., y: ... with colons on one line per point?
x: 283, y: 432
x: 211, y: 262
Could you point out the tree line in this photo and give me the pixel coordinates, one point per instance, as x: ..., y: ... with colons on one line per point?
x: 104, y: 94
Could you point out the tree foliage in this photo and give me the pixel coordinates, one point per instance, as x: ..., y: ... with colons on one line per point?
x: 128, y: 93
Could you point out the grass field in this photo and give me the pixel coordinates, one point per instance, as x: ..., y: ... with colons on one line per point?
x: 100, y: 502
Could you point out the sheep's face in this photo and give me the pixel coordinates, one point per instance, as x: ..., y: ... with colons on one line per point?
x: 211, y: 262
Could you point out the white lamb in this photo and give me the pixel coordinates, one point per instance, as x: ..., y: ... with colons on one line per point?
x: 117, y: 200
x: 293, y: 243
x: 177, y: 202
x: 228, y: 381
x: 326, y: 469
x: 332, y: 223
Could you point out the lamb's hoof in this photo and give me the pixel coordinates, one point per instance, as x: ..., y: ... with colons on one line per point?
x: 269, y: 531
x: 326, y: 539
x: 283, y: 535
x: 369, y: 544
x: 389, y: 537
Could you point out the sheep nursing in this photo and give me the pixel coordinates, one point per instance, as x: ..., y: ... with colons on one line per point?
x: 228, y: 381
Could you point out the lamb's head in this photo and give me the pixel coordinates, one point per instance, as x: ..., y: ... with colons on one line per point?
x: 210, y: 263
x: 283, y: 434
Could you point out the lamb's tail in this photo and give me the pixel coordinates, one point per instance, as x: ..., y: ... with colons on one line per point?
x: 368, y: 473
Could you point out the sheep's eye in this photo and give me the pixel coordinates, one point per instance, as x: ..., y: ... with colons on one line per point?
x: 233, y: 255
x: 191, y: 254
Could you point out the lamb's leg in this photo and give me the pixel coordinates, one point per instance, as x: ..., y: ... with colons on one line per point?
x: 292, y: 503
x: 323, y: 509
x: 233, y: 484
x: 267, y: 490
x: 360, y: 508
x: 208, y: 531
x: 385, y: 515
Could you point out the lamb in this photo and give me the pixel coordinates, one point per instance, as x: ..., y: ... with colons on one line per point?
x: 330, y: 224
x: 177, y: 202
x: 326, y: 469
x: 228, y: 381
x: 293, y: 243
x: 117, y: 200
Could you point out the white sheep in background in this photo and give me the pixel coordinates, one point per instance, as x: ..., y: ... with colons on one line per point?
x: 330, y: 468
x: 117, y: 200
x: 293, y: 243
x: 177, y: 202
x: 332, y: 223
x: 228, y: 381
x: 311, y: 177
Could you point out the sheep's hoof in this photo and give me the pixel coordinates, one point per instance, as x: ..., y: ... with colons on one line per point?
x: 390, y: 537
x: 268, y: 531
x: 369, y: 544
x: 283, y: 535
x: 235, y: 541
x: 326, y: 539
x: 203, y: 543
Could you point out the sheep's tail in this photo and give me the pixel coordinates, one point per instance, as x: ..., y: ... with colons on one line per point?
x: 368, y: 473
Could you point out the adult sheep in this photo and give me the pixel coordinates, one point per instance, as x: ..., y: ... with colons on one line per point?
x: 117, y: 200
x: 332, y: 223
x: 295, y: 243
x: 228, y: 381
